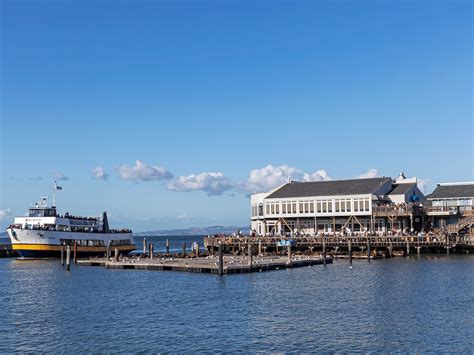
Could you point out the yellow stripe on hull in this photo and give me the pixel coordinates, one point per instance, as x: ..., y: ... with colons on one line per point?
x: 80, y: 248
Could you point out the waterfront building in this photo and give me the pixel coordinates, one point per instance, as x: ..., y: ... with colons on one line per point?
x: 450, y: 206
x: 371, y: 205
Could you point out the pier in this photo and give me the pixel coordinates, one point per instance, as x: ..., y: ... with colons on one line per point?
x: 213, y: 264
x: 386, y: 246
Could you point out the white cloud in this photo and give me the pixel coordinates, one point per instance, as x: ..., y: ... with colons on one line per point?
x: 423, y: 184
x: 143, y: 172
x: 4, y: 213
x: 35, y: 178
x: 60, y: 176
x: 99, y: 174
x: 214, y: 183
x: 270, y: 176
x: 371, y: 173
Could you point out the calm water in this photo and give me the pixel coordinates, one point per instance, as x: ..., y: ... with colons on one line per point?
x: 411, y: 304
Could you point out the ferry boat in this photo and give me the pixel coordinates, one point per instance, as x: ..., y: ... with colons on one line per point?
x: 44, y: 232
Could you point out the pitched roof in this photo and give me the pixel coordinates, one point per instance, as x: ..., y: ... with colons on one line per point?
x: 330, y: 188
x: 401, y: 189
x: 453, y: 191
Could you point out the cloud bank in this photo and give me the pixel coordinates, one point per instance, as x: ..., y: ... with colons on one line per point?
x: 143, y: 172
x: 60, y: 176
x: 99, y: 174
x: 371, y: 173
x: 4, y: 213
x: 269, y: 177
x: 214, y: 183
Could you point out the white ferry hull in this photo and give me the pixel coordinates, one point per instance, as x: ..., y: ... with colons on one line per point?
x: 47, y: 243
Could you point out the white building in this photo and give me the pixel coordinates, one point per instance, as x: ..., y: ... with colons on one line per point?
x: 357, y: 205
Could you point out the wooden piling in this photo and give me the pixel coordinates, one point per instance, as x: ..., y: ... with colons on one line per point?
x: 150, y: 250
x: 324, y: 251
x: 250, y: 256
x: 408, y: 247
x: 259, y: 247
x: 289, y: 254
x: 184, y: 249
x: 109, y: 251
x: 116, y: 254
x: 197, y: 250
x: 144, y: 246
x: 62, y: 254
x: 221, y: 260
x: 368, y: 249
x: 75, y: 252
x: 350, y: 252
x: 418, y: 250
x: 167, y: 246
x: 68, y: 258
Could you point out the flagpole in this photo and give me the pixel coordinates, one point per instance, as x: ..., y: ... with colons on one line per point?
x: 54, y: 194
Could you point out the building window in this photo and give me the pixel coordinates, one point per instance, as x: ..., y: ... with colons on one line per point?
x: 348, y: 205
x: 277, y: 207
x: 294, y: 206
x: 330, y: 206
x: 283, y: 208
x: 273, y: 208
x: 366, y: 202
x: 338, y: 206
x: 301, y: 207
x: 311, y: 207
x: 306, y: 207
x: 318, y: 206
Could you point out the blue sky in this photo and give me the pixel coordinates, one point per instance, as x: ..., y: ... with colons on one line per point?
x: 175, y: 103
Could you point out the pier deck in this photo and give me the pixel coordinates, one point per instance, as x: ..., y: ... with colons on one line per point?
x: 210, y: 264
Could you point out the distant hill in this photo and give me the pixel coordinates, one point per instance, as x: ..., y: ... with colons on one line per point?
x: 196, y: 231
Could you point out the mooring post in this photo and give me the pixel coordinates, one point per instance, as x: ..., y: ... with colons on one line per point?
x: 184, y: 249
x: 197, y: 250
x: 250, y: 256
x: 289, y: 254
x: 167, y: 246
x: 75, y: 252
x: 150, y: 250
x: 108, y: 253
x: 62, y: 254
x: 259, y: 247
x: 324, y: 251
x: 116, y: 254
x: 68, y: 258
x: 390, y: 249
x: 144, y: 246
x: 368, y: 249
x: 350, y: 252
x: 408, y: 247
x: 418, y: 250
x: 221, y: 260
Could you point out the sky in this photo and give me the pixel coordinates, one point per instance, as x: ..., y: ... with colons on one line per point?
x: 168, y: 114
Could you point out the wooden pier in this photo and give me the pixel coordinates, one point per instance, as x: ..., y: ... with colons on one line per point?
x: 374, y: 245
x: 212, y: 264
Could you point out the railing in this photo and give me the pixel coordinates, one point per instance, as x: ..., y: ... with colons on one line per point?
x: 396, y: 210
x: 467, y: 210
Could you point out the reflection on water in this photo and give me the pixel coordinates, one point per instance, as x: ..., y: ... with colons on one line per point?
x: 423, y: 304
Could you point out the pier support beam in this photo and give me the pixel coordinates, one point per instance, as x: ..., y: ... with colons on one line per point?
x: 289, y: 255
x: 116, y: 254
x: 250, y: 256
x: 150, y: 250
x: 68, y: 258
x: 221, y: 260
x: 259, y: 247
x: 350, y: 252
x: 324, y: 251
x: 75, y: 252
x: 62, y: 254
x: 184, y: 249
x: 368, y: 249
x: 167, y: 246
x: 197, y: 250
x: 144, y: 246
x: 408, y: 247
